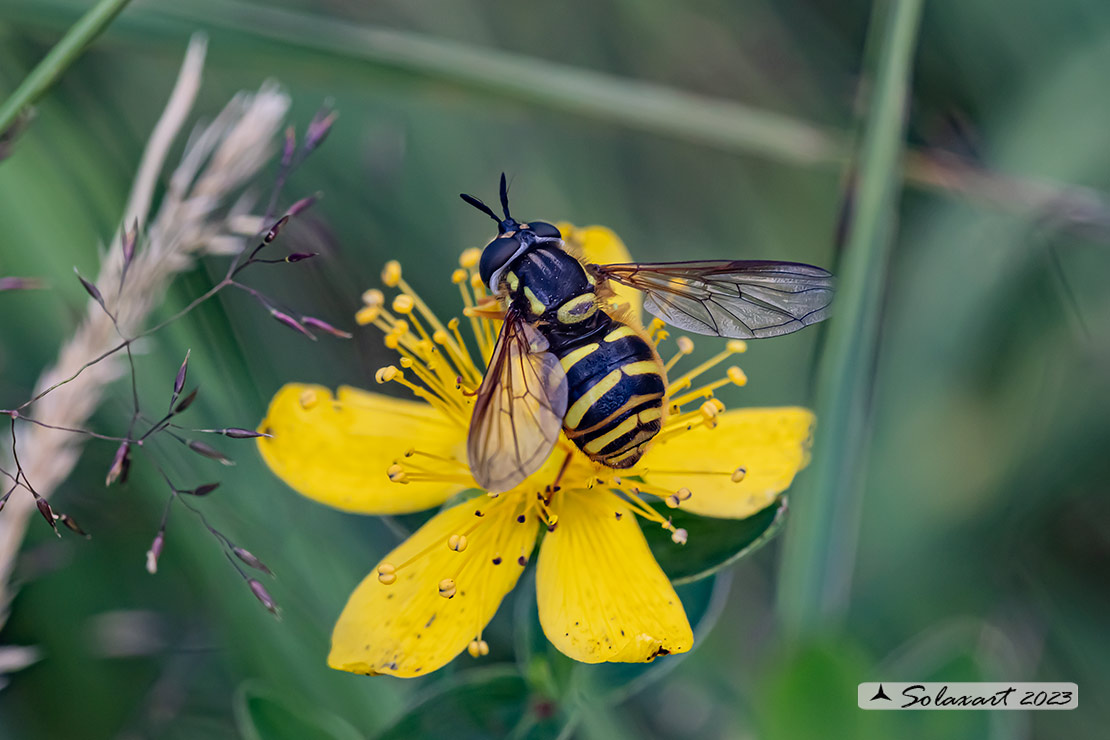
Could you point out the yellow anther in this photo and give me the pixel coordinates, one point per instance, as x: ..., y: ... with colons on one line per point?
x: 679, y: 536
x: 397, y: 474
x: 709, y: 409
x: 738, y: 474
x: 737, y: 346
x: 367, y: 315
x: 477, y: 648
x: 309, y: 399
x: 447, y: 588
x: 403, y: 304
x: 387, y: 574
x: 406, y: 362
x: 401, y: 328
x: 476, y: 281
x: 662, y: 335
x: 392, y: 341
x: 457, y: 542
x: 470, y: 257
x: 737, y: 376
x: 685, y: 345
x: 678, y: 497
x: 453, y: 324
x: 391, y: 273
x: 458, y: 276
x: 439, y: 336
x: 388, y: 373
x: 373, y: 297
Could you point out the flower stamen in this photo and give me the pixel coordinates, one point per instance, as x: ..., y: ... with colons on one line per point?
x: 685, y: 347
x: 734, y: 346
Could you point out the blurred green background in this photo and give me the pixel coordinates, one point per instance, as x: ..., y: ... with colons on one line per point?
x: 975, y: 541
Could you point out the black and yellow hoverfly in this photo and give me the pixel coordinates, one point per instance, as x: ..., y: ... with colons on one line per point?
x: 563, y: 362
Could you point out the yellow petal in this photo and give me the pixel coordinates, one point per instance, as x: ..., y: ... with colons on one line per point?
x: 771, y: 444
x: 337, y: 450
x: 600, y: 245
x: 407, y: 628
x: 601, y: 595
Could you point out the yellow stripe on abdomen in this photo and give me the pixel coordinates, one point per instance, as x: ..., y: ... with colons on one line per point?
x: 624, y: 331
x: 590, y: 397
x: 597, y: 444
x: 579, y: 354
x: 641, y: 367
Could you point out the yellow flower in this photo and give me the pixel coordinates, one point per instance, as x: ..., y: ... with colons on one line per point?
x: 601, y: 595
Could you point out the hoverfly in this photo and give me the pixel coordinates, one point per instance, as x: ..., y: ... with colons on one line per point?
x: 564, y: 362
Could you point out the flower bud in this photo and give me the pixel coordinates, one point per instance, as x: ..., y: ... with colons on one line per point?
x: 155, y: 551
x: 291, y: 322
x: 179, y: 381
x: 121, y: 464
x: 47, y: 514
x: 210, y: 452
x: 19, y: 283
x: 204, y: 490
x: 263, y: 596
x: 326, y: 327
x: 91, y: 289
x: 247, y: 557
x: 187, y: 401
x: 240, y: 433
x: 275, y: 230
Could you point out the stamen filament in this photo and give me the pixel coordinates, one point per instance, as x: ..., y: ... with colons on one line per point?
x: 706, y: 391
x: 685, y: 380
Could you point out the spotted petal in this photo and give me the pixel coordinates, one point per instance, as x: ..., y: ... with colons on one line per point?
x: 601, y: 595
x: 771, y: 444
x: 337, y: 450
x: 407, y: 628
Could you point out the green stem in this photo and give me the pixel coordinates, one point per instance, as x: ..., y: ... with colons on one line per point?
x: 819, y: 548
x: 64, y: 53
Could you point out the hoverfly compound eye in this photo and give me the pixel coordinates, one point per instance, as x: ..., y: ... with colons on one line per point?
x: 544, y: 230
x: 497, y: 254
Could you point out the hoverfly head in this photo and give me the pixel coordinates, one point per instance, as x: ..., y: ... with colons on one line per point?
x: 512, y: 240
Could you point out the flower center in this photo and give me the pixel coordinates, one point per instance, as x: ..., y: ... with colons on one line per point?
x: 436, y: 364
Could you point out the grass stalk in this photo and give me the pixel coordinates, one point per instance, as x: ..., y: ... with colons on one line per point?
x: 820, y: 542
x: 58, y: 59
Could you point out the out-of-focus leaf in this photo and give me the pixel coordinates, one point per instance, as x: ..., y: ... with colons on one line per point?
x: 812, y: 693
x: 262, y: 714
x: 478, y: 704
x: 711, y: 543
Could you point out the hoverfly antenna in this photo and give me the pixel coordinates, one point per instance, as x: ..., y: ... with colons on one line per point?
x: 480, y: 206
x: 505, y: 196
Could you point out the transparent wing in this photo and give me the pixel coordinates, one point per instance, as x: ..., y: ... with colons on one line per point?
x: 519, y: 408
x: 742, y: 299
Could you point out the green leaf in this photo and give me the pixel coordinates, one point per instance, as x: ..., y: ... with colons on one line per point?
x: 711, y: 544
x: 263, y: 714
x: 479, y: 703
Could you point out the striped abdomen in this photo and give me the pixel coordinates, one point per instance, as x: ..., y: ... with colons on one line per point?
x: 615, y: 401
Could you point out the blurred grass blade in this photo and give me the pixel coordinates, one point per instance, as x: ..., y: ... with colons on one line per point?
x: 717, y: 122
x: 820, y: 542
x: 43, y: 76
